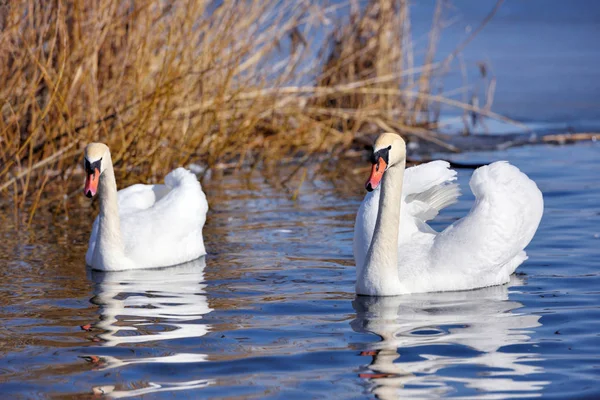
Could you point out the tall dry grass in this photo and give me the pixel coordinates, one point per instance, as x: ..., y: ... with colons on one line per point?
x: 170, y: 82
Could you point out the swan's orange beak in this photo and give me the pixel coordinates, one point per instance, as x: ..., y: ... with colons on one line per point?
x: 376, y: 174
x: 91, y: 183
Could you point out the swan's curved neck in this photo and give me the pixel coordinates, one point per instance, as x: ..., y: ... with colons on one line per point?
x: 109, y: 245
x: 380, y: 271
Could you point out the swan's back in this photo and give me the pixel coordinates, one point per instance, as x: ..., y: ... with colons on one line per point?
x: 170, y: 231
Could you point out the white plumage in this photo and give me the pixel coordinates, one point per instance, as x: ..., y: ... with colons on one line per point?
x: 161, y: 225
x: 482, y: 249
x: 147, y: 226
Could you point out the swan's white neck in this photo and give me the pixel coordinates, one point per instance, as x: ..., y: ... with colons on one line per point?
x: 380, y: 275
x: 109, y: 249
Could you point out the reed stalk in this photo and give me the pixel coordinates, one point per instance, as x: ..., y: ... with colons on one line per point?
x: 172, y: 82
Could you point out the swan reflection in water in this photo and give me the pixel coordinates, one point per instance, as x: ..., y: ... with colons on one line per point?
x: 483, y: 320
x: 152, y: 305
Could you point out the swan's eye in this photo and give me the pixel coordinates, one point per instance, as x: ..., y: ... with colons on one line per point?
x: 382, y: 153
x: 90, y: 167
x: 374, y: 158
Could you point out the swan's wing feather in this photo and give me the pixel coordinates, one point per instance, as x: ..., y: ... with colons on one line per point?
x: 185, y: 201
x: 179, y: 209
x: 426, y: 205
x: 507, y: 211
x: 421, y: 178
x: 139, y: 197
x: 428, y: 188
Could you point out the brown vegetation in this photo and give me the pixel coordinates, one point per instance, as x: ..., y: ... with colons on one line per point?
x: 169, y: 82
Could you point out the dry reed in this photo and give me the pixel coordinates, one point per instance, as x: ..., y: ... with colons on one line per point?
x: 172, y: 82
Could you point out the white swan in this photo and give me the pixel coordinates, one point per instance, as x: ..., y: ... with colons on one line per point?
x: 396, y: 252
x: 143, y: 226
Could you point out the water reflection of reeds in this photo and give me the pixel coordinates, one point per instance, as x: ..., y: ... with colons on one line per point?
x: 217, y: 84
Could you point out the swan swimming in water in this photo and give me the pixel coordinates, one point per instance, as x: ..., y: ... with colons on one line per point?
x: 143, y: 226
x: 396, y: 252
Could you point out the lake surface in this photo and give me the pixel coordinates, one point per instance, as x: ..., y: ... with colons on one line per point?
x: 270, y: 312
x: 543, y: 54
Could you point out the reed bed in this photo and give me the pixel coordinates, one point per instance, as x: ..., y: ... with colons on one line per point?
x: 173, y: 82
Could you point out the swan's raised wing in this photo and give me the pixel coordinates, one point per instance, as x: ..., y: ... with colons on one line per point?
x: 488, y: 243
x: 429, y: 188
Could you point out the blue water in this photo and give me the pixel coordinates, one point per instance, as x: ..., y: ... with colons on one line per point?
x: 271, y: 311
x: 543, y: 54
